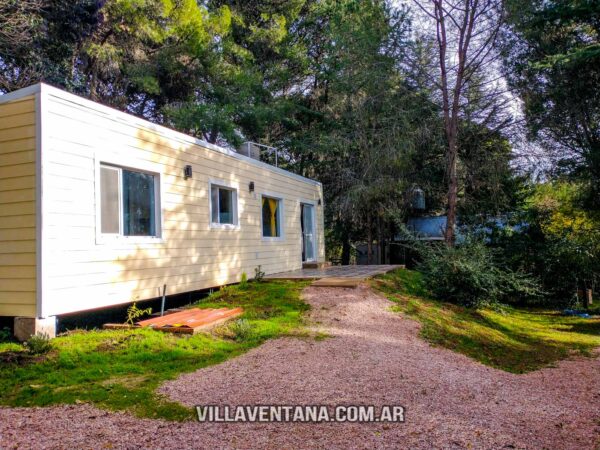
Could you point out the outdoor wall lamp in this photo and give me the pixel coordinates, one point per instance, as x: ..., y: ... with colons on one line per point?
x: 251, y: 186
x: 187, y: 172
x: 319, y: 202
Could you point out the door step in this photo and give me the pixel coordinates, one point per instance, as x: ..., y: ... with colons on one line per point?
x: 315, y: 265
x: 338, y: 282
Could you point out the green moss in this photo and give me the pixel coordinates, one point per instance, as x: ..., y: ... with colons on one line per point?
x: 121, y: 369
x: 321, y: 336
x: 10, y: 347
x: 512, y: 339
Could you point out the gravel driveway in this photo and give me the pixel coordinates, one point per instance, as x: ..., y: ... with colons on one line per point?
x: 372, y: 356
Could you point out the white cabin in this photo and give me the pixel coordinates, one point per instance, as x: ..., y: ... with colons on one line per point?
x: 99, y: 208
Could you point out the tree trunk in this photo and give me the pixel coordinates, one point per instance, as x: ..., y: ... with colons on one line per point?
x: 462, y: 17
x: 379, y: 241
x: 214, y: 134
x: 369, y: 241
x: 345, y: 250
x: 594, y: 163
x: 94, y: 85
x: 452, y: 199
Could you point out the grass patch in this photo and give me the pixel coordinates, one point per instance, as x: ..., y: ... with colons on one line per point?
x: 321, y: 336
x: 121, y: 369
x: 517, y: 340
x: 10, y: 347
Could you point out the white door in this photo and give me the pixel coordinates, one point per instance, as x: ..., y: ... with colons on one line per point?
x: 307, y: 218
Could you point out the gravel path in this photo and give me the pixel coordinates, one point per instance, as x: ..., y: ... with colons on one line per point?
x: 372, y: 357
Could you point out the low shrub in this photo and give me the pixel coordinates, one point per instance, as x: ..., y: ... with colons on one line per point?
x: 134, y: 313
x: 38, y: 344
x: 244, y: 281
x: 5, y: 335
x: 240, y: 329
x: 259, y: 274
x: 468, y: 274
x: 226, y: 291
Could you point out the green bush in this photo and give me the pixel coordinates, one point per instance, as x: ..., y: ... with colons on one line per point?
x: 259, y: 274
x: 240, y: 329
x: 5, y: 334
x: 244, y: 281
x: 469, y: 274
x: 134, y: 313
x: 558, y: 241
x: 38, y: 344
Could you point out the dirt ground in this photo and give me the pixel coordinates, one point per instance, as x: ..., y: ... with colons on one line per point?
x: 370, y: 357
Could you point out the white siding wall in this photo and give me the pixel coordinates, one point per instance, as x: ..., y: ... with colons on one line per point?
x: 82, y: 272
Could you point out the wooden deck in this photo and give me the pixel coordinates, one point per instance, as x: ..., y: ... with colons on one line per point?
x: 338, y: 272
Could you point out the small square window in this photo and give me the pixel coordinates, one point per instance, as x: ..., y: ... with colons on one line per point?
x: 223, y: 204
x: 271, y: 217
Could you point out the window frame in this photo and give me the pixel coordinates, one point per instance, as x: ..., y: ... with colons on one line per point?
x: 280, y: 217
x: 120, y: 163
x: 231, y: 186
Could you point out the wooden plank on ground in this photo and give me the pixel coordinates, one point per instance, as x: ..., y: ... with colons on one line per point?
x: 186, y: 321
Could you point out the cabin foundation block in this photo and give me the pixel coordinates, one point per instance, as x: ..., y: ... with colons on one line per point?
x: 25, y: 327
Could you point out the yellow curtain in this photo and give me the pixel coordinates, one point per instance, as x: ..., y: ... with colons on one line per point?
x: 273, y: 208
x: 272, y: 205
